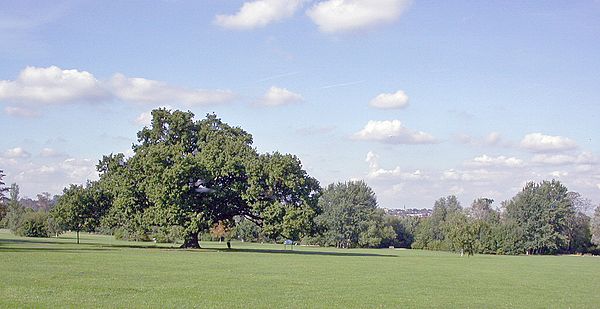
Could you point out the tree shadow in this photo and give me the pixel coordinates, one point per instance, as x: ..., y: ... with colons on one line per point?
x: 70, y: 250
x: 95, y: 246
x: 301, y: 252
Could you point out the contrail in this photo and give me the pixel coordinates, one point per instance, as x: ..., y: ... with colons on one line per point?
x: 342, y: 84
x: 277, y: 76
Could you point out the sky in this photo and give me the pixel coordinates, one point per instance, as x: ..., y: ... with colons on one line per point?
x: 420, y: 99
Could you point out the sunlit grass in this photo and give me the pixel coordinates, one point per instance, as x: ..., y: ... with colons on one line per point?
x: 104, y: 272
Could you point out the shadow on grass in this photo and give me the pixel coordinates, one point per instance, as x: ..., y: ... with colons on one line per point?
x: 301, y: 252
x: 72, y: 250
x: 98, y: 246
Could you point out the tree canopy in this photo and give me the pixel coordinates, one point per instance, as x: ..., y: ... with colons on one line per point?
x: 195, y: 174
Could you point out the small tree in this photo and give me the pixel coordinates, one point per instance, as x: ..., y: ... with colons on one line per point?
x: 15, y: 211
x: 3, y: 189
x: 80, y: 208
x: 34, y: 224
x: 596, y: 227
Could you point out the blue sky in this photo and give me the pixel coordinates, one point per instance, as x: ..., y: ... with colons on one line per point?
x: 421, y: 99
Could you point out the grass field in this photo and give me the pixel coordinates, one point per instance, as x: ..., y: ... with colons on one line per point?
x: 103, y: 272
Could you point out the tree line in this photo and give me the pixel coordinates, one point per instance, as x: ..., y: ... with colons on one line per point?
x: 190, y: 180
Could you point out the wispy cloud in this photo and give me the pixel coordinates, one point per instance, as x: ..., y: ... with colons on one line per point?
x: 342, y: 84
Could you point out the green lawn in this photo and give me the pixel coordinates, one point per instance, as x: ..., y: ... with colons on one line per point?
x: 103, y: 272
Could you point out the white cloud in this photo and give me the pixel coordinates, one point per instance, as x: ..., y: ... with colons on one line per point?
x: 279, y: 96
x: 50, y: 153
x: 375, y: 172
x: 259, y: 13
x: 476, y: 175
x: 485, y: 160
x: 538, y: 142
x: 393, y: 132
x: 20, y: 112
x: 396, y: 100
x: 16, y: 152
x: 493, y: 138
x: 145, y: 118
x: 51, y: 85
x: 558, y: 174
x: 584, y: 158
x: 350, y: 15
x: 151, y: 91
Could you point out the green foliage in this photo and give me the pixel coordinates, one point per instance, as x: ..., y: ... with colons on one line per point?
x: 34, y: 224
x: 194, y: 174
x: 3, y: 189
x: 81, y: 208
x: 246, y: 230
x: 15, y: 211
x: 595, y: 228
x: 350, y: 217
x: 543, y: 211
x: 433, y: 232
x: 404, y: 229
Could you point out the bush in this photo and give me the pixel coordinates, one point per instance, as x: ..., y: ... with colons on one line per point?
x: 135, y: 235
x: 170, y: 234
x: 34, y: 224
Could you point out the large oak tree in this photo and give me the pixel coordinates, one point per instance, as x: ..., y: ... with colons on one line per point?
x: 195, y: 174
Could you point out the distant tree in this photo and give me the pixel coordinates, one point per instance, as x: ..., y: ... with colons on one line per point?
x: 15, y: 212
x: 432, y: 232
x: 246, y: 230
x: 350, y: 216
x: 509, y: 237
x: 543, y: 211
x: 3, y: 189
x: 34, y: 224
x: 81, y: 208
x: 596, y: 227
x: 404, y: 229
x: 484, y: 220
x: 44, y: 201
x: 461, y: 233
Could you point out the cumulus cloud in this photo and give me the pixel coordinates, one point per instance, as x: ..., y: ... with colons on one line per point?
x: 396, y: 100
x: 376, y: 172
x: 351, y: 15
x: 276, y: 96
x: 52, y: 85
x: 136, y: 89
x: 485, y: 160
x: 538, y: 142
x: 259, y: 13
x: 393, y: 132
x: 16, y: 152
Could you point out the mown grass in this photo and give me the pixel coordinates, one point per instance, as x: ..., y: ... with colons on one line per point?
x: 103, y: 272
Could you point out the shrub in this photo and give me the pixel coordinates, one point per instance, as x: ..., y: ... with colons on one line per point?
x: 34, y: 224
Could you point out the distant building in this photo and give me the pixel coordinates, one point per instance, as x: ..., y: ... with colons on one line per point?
x: 411, y: 212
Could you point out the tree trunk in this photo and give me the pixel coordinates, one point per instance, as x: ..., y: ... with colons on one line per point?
x: 191, y: 241
x: 78, y: 237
